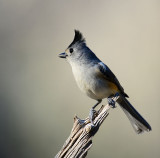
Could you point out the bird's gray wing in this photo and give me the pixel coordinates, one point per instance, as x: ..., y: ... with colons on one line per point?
x: 108, y: 74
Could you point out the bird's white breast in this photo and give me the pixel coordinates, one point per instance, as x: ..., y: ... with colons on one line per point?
x: 89, y: 83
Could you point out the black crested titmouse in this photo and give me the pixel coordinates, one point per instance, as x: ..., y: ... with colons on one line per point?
x: 96, y: 80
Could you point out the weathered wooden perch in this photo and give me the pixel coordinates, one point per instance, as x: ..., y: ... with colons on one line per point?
x: 80, y: 139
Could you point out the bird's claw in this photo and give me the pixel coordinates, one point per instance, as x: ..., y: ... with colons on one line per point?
x: 116, y: 96
x: 111, y: 103
x: 91, y: 115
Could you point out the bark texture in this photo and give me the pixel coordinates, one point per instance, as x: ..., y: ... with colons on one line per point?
x: 80, y: 139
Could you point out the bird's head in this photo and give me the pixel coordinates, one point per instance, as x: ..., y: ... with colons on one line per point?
x: 76, y: 49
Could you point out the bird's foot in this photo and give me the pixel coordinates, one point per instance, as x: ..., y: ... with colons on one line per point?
x: 93, y: 112
x: 116, y: 96
x: 92, y: 115
x: 111, y: 102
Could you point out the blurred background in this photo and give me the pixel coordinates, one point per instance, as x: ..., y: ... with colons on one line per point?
x: 38, y: 94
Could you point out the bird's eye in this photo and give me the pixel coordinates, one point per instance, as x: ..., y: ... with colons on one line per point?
x: 71, y: 50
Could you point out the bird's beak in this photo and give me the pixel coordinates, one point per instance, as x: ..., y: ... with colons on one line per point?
x: 63, y: 55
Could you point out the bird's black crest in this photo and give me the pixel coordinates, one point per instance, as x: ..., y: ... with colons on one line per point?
x: 77, y: 38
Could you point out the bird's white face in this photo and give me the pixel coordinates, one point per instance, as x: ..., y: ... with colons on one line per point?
x: 69, y: 52
x: 72, y: 54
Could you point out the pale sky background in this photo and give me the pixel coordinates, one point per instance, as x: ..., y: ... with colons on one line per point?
x: 38, y: 94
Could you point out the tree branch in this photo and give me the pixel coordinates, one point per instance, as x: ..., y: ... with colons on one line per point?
x: 80, y: 139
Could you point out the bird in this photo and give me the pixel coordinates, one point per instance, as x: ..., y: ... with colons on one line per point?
x: 98, y: 82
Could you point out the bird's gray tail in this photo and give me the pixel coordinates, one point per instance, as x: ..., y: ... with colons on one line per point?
x: 137, y: 121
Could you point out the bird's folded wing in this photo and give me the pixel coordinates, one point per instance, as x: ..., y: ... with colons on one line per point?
x: 105, y: 72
